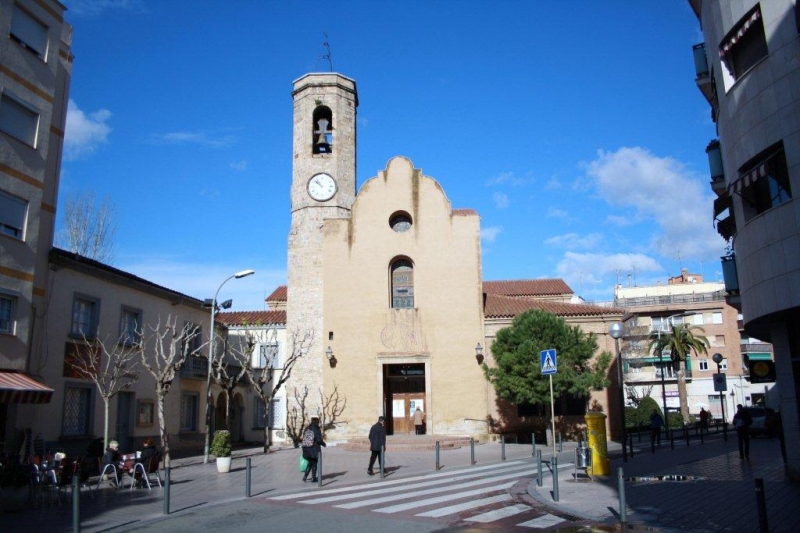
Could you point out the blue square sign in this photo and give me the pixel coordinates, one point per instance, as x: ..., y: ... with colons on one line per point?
x: 548, y: 362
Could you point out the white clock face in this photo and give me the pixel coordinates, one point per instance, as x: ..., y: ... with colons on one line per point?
x: 321, y: 187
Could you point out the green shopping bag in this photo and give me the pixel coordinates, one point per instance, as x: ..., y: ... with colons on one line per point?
x: 303, y: 464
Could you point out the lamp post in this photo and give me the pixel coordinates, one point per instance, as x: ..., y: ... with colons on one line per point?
x: 661, y: 359
x: 717, y: 358
x: 238, y: 275
x: 615, y: 330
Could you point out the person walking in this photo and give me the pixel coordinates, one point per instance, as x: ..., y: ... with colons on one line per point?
x: 377, y: 443
x: 703, y: 420
x: 419, y: 421
x: 656, y: 422
x: 742, y: 422
x: 312, y: 442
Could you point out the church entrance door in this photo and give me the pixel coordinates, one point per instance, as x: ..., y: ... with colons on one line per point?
x: 404, y: 387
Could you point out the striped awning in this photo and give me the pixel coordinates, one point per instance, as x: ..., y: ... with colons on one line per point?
x: 721, y: 204
x: 736, y: 35
x: 19, y: 388
x: 751, y: 177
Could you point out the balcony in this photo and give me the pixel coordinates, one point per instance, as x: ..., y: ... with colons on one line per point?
x: 195, y: 367
x: 704, y: 79
x: 679, y: 299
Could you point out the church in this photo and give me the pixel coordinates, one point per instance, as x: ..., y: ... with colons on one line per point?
x: 386, y: 280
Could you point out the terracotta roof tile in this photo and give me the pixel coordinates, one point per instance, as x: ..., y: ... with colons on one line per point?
x: 278, y: 295
x: 527, y: 287
x: 497, y: 306
x: 241, y: 318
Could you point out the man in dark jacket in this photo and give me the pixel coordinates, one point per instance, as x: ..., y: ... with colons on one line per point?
x: 311, y: 448
x: 742, y: 422
x: 377, y: 443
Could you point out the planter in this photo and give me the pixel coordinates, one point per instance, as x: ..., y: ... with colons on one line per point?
x: 223, y: 465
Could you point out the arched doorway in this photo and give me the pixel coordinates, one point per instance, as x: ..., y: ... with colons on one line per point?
x: 219, y: 412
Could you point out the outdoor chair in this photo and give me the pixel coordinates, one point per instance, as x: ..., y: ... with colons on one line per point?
x: 152, y: 468
x: 112, y: 469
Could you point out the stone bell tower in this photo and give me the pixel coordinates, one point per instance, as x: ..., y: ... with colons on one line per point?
x: 323, y: 187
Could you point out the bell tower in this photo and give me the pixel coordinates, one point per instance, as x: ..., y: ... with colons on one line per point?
x: 323, y: 187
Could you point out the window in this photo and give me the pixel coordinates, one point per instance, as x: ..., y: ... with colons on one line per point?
x: 402, y: 284
x: 258, y: 413
x: 84, y: 317
x: 194, y: 336
x: 745, y: 45
x: 189, y: 410
x: 13, y: 214
x: 702, y: 364
x: 130, y: 324
x: 276, y: 416
x: 268, y: 352
x: 8, y: 313
x: 28, y: 32
x: 719, y: 341
x: 765, y: 182
x: 400, y: 222
x: 723, y: 364
x: 77, y: 411
x: 716, y: 318
x: 697, y: 319
x: 19, y: 120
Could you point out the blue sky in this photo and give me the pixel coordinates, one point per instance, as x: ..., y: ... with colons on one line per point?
x: 573, y: 127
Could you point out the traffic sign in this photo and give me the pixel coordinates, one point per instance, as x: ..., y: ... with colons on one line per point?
x: 548, y: 362
x: 720, y: 382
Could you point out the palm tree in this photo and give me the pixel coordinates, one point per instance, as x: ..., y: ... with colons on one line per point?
x: 680, y: 342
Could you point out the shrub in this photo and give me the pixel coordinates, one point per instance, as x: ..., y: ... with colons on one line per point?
x: 221, y: 446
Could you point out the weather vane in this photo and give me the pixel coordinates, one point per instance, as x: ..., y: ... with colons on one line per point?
x: 327, y: 46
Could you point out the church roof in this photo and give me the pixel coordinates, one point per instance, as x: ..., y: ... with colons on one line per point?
x: 252, y: 318
x: 527, y: 287
x: 278, y: 295
x: 498, y: 306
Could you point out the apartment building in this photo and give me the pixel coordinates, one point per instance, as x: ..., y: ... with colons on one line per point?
x: 35, y: 73
x: 688, y: 299
x: 747, y: 69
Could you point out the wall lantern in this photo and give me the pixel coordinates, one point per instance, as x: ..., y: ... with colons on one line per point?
x: 331, y: 357
x: 479, y: 353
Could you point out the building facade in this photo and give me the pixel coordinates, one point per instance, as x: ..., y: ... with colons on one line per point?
x: 747, y: 69
x: 35, y: 73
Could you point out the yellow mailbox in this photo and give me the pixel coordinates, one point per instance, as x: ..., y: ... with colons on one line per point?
x: 596, y: 429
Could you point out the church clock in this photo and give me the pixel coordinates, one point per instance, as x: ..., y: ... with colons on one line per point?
x: 322, y: 187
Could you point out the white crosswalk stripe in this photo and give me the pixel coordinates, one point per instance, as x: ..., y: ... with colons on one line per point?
x: 478, y: 495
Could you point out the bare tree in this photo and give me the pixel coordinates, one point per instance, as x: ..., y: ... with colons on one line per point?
x: 111, y: 370
x: 297, y: 419
x: 170, y: 346
x: 227, y: 376
x: 332, y: 408
x: 89, y: 228
x: 268, y: 380
x: 635, y: 396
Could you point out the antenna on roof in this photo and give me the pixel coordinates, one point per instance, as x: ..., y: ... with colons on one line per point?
x: 328, y: 57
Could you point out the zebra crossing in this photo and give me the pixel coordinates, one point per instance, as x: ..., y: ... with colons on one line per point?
x: 474, y: 495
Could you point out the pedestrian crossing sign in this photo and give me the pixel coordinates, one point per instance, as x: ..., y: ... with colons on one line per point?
x: 548, y: 362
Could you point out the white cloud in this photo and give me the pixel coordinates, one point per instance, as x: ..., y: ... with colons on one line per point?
x: 571, y: 241
x: 554, y: 212
x: 490, y: 234
x: 500, y: 200
x: 202, y: 138
x: 201, y: 280
x: 589, y: 268
x: 553, y: 184
x: 660, y: 189
x: 618, y: 220
x: 84, y: 133
x: 239, y: 166
x: 508, y: 178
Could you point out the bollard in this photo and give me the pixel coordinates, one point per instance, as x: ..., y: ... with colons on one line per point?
x: 555, y: 478
x: 686, y: 434
x: 383, y: 455
x: 762, y: 506
x: 623, y: 507
x: 437, y: 455
x: 472, y: 450
x: 725, y: 432
x: 503, y: 447
x: 319, y: 469
x: 76, y: 503
x: 560, y: 444
x: 539, y: 467
x: 701, y: 437
x: 533, y: 445
x: 247, y: 479
x: 166, y: 490
x: 630, y: 441
x: 671, y: 441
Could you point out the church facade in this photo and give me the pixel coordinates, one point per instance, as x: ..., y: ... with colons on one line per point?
x: 388, y: 280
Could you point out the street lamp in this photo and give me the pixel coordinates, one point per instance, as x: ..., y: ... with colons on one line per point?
x: 661, y: 360
x: 615, y: 330
x: 717, y: 358
x: 226, y: 304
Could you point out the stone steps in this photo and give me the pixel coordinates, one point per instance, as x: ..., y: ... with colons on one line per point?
x: 409, y: 443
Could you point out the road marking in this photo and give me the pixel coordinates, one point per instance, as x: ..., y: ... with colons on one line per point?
x: 453, y: 509
x: 440, y: 499
x: 543, y: 522
x: 499, y: 514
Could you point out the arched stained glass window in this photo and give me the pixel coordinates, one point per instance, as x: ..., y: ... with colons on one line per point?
x: 402, y: 282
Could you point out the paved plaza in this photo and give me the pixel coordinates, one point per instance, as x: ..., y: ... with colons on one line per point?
x: 719, y: 494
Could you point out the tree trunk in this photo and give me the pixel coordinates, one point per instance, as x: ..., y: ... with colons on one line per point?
x: 682, y: 392
x: 106, y: 401
x: 162, y: 427
x: 266, y: 425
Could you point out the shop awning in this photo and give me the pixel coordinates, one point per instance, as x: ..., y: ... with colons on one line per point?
x: 19, y: 388
x: 751, y: 177
x: 759, y: 356
x: 739, y: 32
